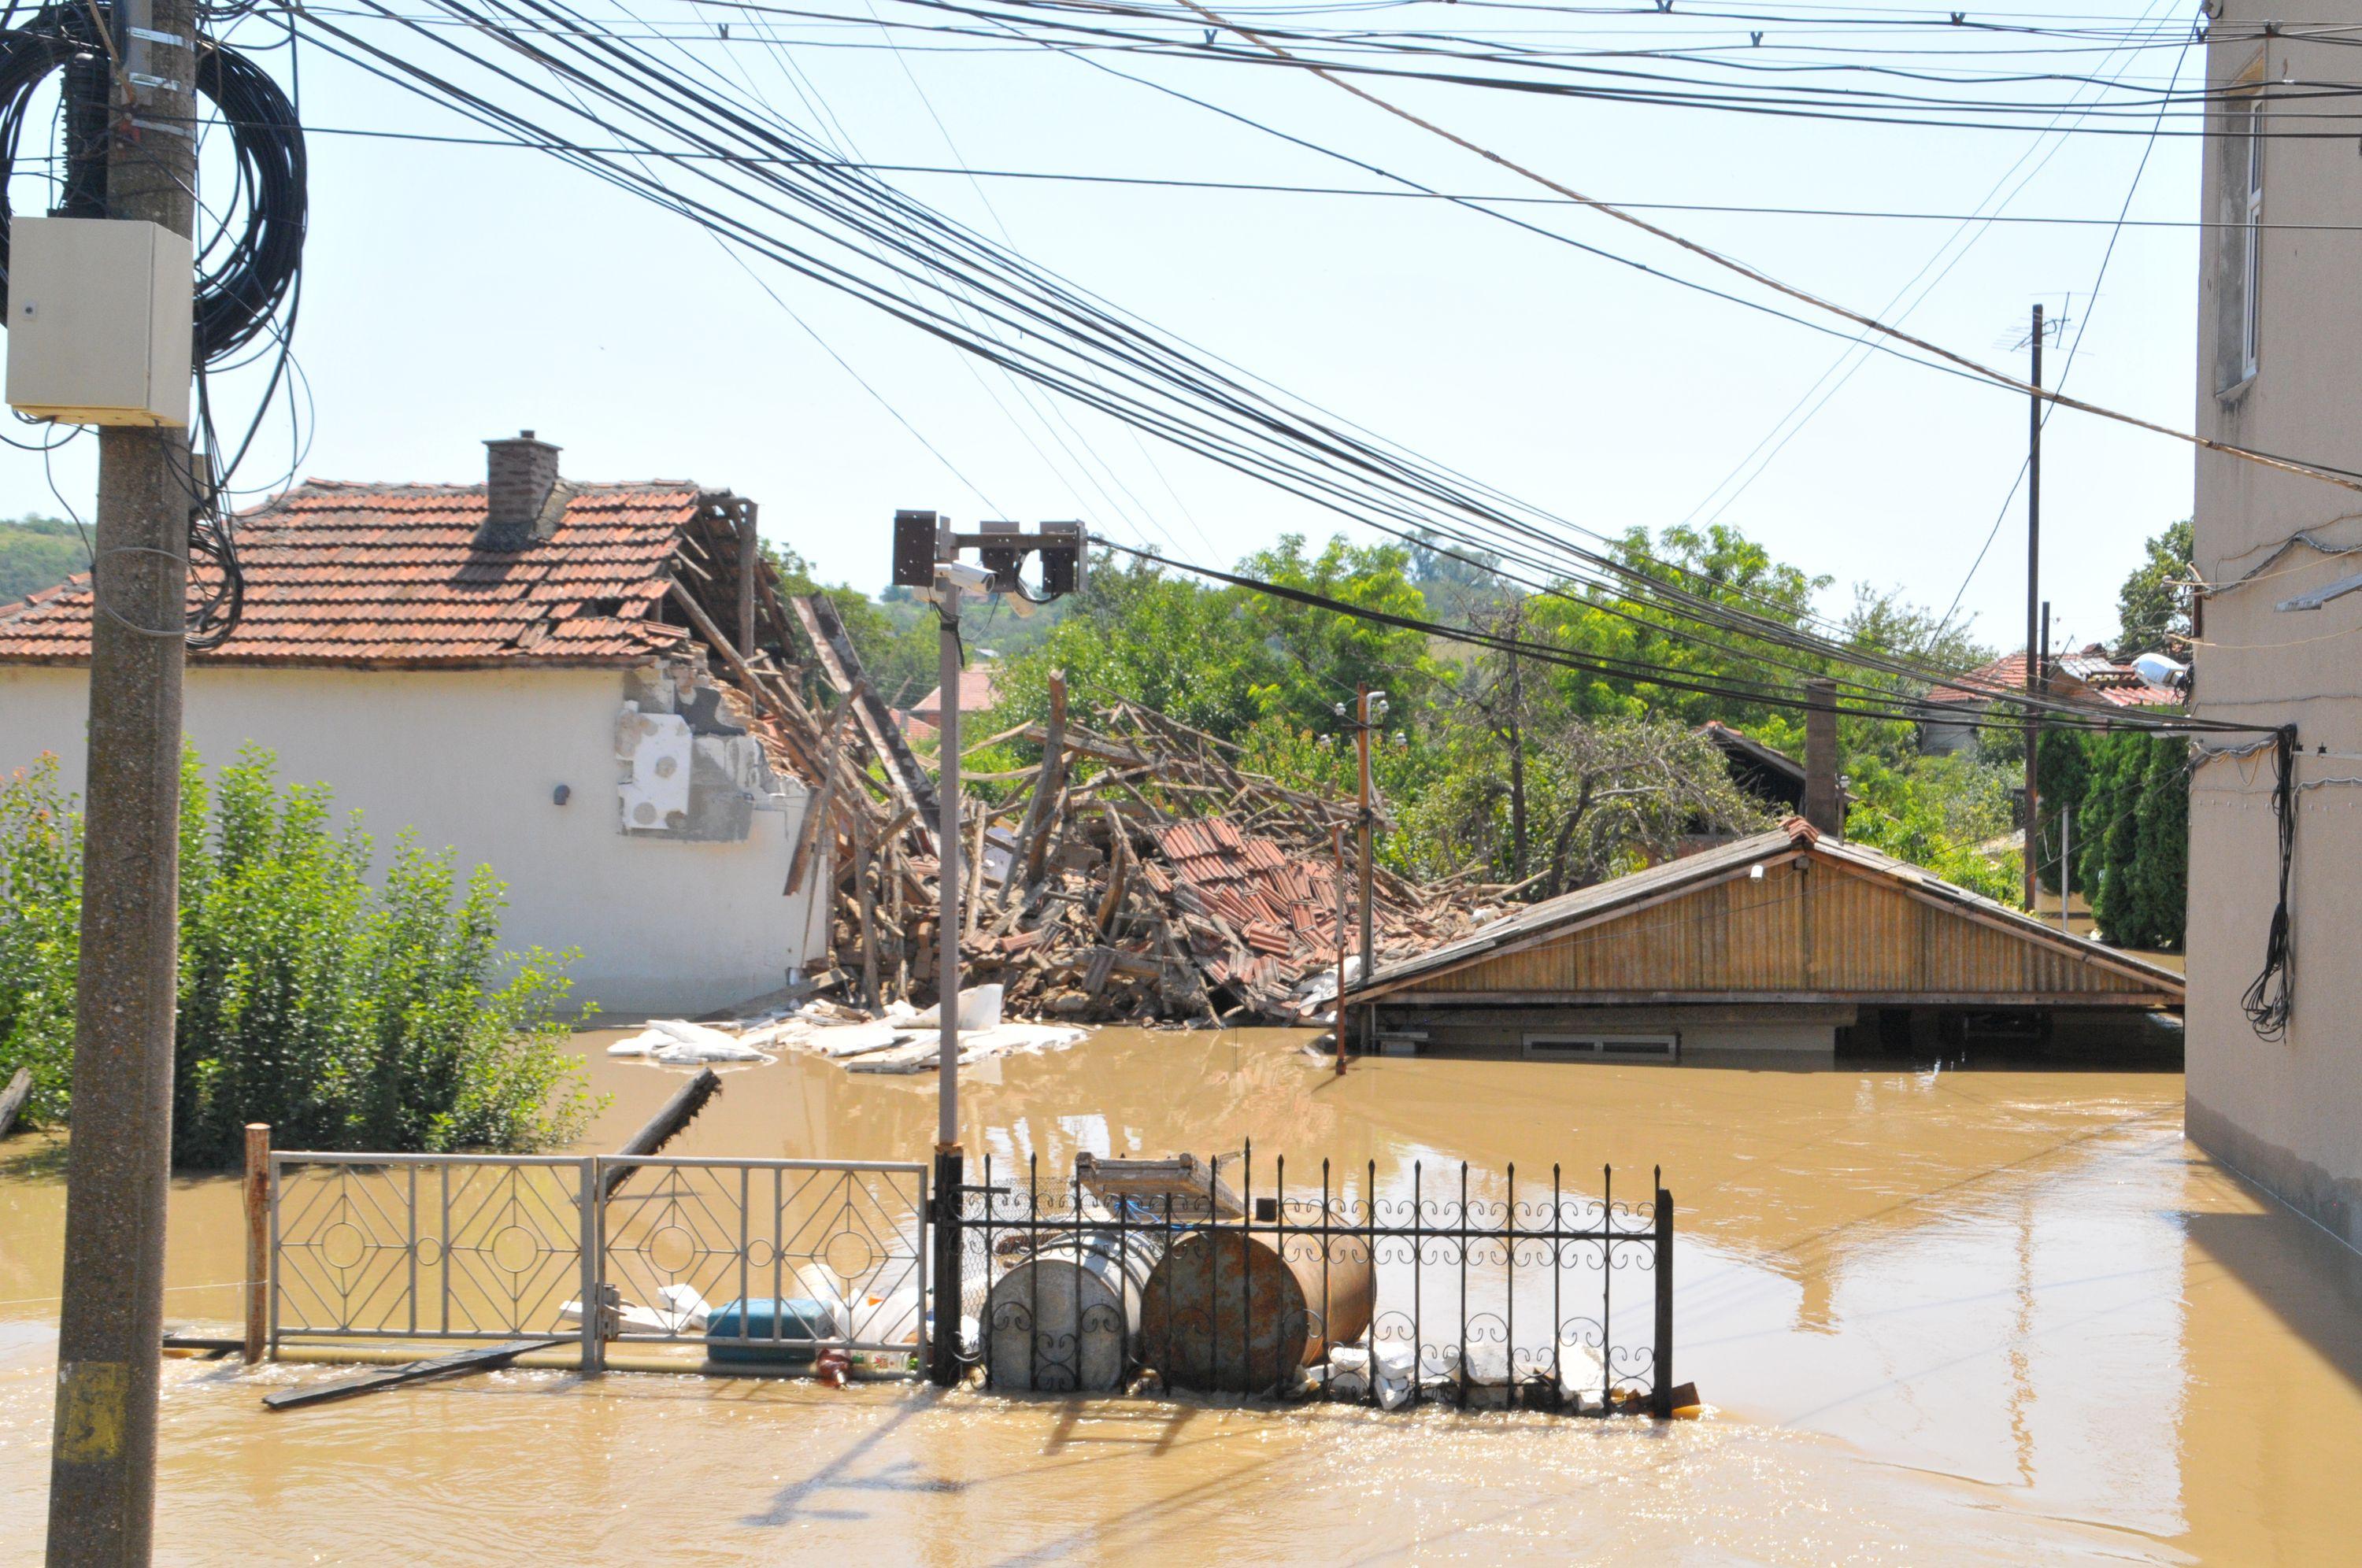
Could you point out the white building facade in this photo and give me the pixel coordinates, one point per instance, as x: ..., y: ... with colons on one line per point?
x: 2280, y: 358
x: 517, y: 699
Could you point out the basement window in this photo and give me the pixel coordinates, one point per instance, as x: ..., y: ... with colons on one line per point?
x: 1604, y: 1047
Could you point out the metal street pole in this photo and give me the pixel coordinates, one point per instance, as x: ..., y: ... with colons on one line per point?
x: 943, y: 1347
x: 2034, y: 654
x: 110, y: 1324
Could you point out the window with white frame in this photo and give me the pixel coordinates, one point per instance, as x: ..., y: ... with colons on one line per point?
x: 2239, y: 236
x: 2251, y: 237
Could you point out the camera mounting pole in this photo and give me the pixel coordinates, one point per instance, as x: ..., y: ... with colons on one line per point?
x: 927, y: 561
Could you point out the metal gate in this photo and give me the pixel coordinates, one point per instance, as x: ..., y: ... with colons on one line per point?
x: 652, y: 1250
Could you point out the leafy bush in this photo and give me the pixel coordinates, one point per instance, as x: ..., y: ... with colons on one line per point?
x: 1942, y: 813
x: 347, y: 1015
x: 40, y: 935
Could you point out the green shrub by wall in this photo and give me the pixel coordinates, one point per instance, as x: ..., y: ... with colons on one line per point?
x: 347, y: 1014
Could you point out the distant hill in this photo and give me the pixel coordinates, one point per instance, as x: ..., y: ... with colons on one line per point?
x: 38, y: 552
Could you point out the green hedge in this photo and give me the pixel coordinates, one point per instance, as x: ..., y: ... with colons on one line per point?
x: 2130, y: 793
x: 348, y: 1013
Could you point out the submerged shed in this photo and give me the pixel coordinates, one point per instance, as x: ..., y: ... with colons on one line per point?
x: 1785, y: 942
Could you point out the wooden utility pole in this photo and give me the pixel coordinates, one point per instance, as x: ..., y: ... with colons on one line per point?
x: 1337, y: 843
x: 1361, y: 828
x: 2034, y: 651
x: 110, y: 1324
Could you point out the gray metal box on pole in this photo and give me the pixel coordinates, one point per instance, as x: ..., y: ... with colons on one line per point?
x: 99, y: 321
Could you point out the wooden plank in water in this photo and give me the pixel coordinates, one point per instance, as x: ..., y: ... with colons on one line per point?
x: 481, y: 1358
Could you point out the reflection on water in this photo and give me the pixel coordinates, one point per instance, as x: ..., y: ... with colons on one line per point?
x: 1959, y: 1315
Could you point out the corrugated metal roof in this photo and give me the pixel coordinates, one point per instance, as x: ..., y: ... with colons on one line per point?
x: 371, y: 573
x: 1792, y: 837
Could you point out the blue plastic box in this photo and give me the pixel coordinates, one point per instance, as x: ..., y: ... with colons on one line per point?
x: 798, y: 1318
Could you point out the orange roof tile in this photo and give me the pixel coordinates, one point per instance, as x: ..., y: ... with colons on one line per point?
x: 340, y: 573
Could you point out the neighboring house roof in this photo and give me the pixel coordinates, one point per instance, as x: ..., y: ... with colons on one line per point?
x: 2090, y: 675
x: 1773, y: 777
x: 2112, y: 975
x: 977, y: 694
x: 393, y: 575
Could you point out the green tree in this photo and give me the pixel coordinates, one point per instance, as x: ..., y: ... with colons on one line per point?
x: 2160, y: 867
x: 896, y: 643
x: 346, y: 1013
x: 2153, y: 607
x: 38, y: 553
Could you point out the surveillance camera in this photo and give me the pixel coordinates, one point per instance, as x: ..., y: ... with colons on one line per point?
x: 966, y: 578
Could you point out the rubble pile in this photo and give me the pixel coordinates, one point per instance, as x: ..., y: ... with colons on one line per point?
x: 1136, y: 873
x: 1152, y: 878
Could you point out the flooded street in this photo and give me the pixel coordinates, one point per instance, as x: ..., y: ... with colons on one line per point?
x: 1940, y: 1316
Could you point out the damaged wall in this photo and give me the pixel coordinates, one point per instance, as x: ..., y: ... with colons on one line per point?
x: 683, y: 917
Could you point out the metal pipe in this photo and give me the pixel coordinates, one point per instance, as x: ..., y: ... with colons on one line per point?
x: 948, y: 879
x: 944, y: 1345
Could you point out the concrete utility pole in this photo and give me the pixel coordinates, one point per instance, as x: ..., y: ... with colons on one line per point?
x: 2034, y: 653
x: 110, y: 1328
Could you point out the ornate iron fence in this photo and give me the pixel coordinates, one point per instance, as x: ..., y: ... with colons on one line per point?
x: 750, y: 1259
x: 845, y: 1235
x: 1477, y: 1290
x: 1469, y: 1288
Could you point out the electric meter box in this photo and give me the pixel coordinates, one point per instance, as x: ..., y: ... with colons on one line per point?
x: 99, y: 321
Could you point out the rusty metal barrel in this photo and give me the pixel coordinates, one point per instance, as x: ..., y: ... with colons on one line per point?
x: 1239, y: 1312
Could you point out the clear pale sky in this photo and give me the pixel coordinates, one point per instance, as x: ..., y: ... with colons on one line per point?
x: 453, y: 293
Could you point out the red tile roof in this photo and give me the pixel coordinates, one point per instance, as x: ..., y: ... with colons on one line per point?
x: 977, y: 694
x: 2079, y: 676
x: 340, y: 573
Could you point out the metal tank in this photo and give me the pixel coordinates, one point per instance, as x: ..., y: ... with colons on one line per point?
x: 1065, y: 1317
x: 1238, y: 1312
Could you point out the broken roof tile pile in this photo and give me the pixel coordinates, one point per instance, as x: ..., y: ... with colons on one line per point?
x: 1128, y: 898
x: 392, y: 575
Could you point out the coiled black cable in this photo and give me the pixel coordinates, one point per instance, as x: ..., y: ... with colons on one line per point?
x: 247, y: 274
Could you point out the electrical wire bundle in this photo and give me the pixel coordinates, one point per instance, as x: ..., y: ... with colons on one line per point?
x: 684, y: 138
x: 2266, y: 1001
x: 249, y: 267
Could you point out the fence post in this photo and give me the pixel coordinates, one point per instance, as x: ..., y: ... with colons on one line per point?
x: 594, y: 1305
x: 258, y: 1238
x: 943, y: 1333
x: 1660, y: 1397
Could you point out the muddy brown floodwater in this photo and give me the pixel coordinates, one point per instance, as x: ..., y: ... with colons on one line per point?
x: 1941, y: 1316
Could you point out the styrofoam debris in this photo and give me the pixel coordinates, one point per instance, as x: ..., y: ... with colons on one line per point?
x: 979, y: 1007
x: 683, y: 1054
x: 854, y: 1039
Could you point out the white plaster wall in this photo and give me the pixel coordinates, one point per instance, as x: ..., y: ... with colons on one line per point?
x: 2287, y: 1114
x: 469, y: 760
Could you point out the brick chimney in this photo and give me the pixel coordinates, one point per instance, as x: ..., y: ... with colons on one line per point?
x: 523, y: 497
x: 1822, y: 807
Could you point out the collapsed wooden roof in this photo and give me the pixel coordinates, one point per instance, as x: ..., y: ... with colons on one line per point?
x: 1785, y: 916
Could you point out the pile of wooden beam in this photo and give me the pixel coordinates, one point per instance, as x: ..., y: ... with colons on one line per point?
x: 1147, y: 876
x: 1135, y: 872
